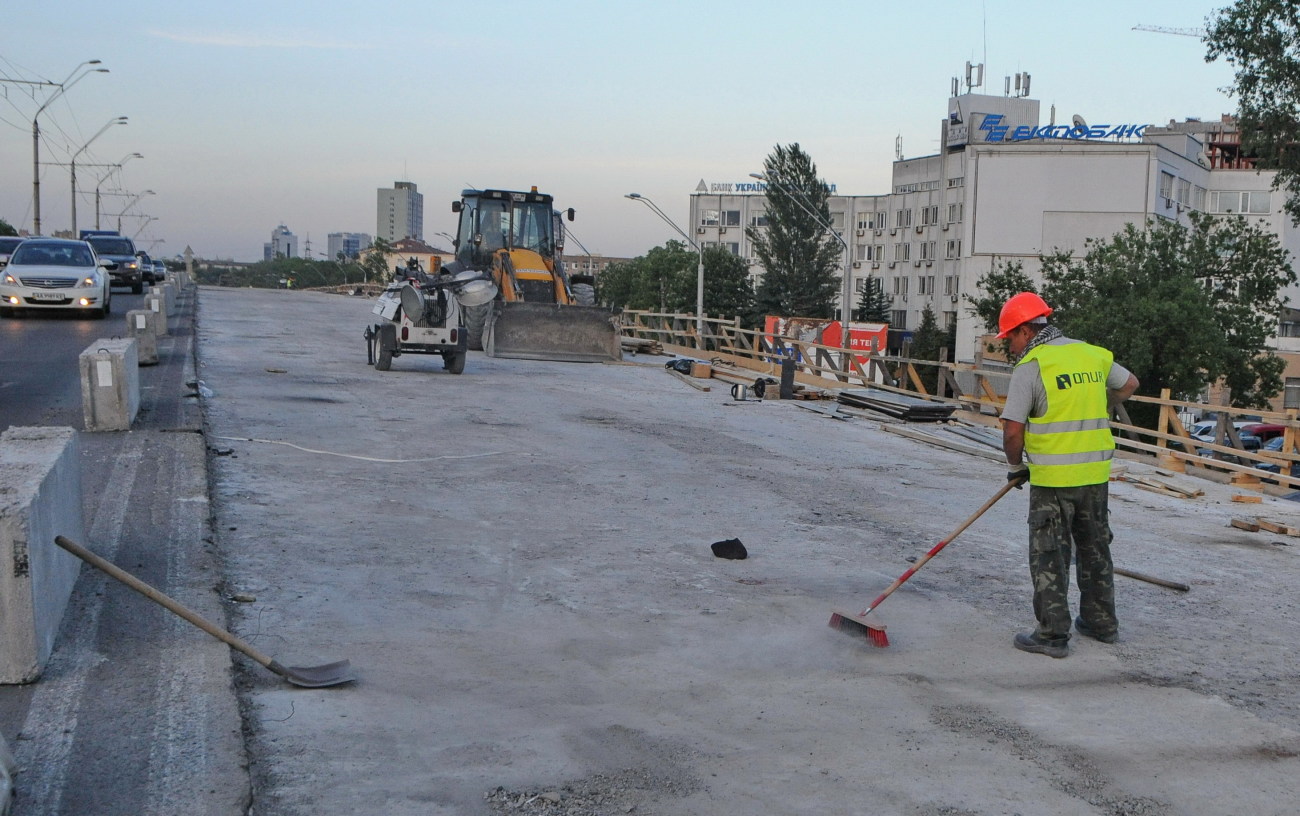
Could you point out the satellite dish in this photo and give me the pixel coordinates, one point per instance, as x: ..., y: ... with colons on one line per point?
x: 1079, y: 122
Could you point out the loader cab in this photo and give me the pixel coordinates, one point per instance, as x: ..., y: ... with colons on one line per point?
x: 491, y: 220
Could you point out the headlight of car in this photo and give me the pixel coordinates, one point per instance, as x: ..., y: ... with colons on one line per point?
x: 89, y: 280
x: 10, y: 279
x: 131, y: 264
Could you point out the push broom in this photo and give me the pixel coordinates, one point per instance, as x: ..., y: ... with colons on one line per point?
x: 873, y: 630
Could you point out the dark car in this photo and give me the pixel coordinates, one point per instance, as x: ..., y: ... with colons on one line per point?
x: 120, y: 250
x: 1274, y: 445
x: 8, y: 243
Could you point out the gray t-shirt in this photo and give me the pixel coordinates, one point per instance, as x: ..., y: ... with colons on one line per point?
x: 1026, y: 396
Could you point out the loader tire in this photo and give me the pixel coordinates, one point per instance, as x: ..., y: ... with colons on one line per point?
x: 475, y: 319
x: 584, y: 294
x: 385, y: 342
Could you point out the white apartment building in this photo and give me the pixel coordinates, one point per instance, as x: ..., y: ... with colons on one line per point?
x: 1009, y: 188
x: 399, y: 212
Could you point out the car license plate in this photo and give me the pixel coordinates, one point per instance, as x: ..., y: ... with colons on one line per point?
x: 48, y: 296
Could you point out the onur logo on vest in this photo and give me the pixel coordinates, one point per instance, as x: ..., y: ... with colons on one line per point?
x: 1064, y: 381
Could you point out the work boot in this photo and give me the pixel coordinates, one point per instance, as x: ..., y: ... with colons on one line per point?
x: 1087, y: 631
x: 1031, y: 642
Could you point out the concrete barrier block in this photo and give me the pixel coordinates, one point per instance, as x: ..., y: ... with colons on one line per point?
x: 139, y: 324
x: 158, y: 305
x: 168, y: 293
x: 110, y: 384
x: 40, y: 498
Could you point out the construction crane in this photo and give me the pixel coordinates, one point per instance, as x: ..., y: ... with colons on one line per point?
x: 1186, y: 32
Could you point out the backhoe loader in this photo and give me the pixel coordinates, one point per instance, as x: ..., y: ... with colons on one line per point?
x: 516, y: 238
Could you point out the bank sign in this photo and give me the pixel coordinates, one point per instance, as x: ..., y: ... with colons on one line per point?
x: 994, y: 128
x: 737, y: 187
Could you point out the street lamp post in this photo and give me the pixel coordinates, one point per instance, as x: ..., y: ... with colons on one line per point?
x: 120, y: 120
x: 134, y: 199
x: 103, y: 178
x: 699, y: 277
x: 846, y: 290
x: 36, y: 137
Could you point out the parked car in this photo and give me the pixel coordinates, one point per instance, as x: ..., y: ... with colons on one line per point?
x: 1274, y: 445
x: 1204, y: 431
x: 159, y: 271
x: 8, y: 243
x: 56, y: 273
x: 1264, y: 431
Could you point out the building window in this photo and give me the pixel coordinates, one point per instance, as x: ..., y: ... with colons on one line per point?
x: 1183, y: 191
x: 1198, y: 198
x: 708, y: 218
x: 837, y: 221
x: 1239, y: 202
x: 903, y: 218
x: 730, y: 218
x: 899, y: 319
x: 949, y: 320
x: 758, y: 219
x: 900, y: 285
x: 950, y: 284
x: 866, y: 220
x: 954, y: 213
x: 956, y: 182
x: 902, y: 251
x: 930, y: 215
x: 860, y: 285
x: 927, y: 250
x: 1166, y: 185
x: 952, y: 248
x: 879, y: 254
x: 1291, y: 394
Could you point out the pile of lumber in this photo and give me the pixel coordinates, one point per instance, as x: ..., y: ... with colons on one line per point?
x: 899, y: 406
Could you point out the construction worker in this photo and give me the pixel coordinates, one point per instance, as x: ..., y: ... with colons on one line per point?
x: 1056, y: 435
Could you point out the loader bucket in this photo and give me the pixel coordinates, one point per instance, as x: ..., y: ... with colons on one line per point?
x: 549, y: 331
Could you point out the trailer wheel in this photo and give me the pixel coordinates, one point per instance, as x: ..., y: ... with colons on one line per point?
x: 385, y: 342
x: 475, y: 319
x: 453, y: 361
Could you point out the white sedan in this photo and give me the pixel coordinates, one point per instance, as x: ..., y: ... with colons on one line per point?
x: 55, y: 273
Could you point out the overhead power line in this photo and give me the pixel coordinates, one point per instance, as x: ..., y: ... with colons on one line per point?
x: 1199, y: 33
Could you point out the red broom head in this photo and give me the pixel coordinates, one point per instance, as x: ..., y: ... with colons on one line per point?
x: 857, y: 625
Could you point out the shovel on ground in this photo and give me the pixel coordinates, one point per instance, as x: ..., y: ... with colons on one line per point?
x: 330, y: 674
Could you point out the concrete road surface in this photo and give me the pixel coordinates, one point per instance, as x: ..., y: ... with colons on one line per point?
x: 517, y: 562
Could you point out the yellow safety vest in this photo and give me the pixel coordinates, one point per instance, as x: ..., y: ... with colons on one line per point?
x: 1071, y: 445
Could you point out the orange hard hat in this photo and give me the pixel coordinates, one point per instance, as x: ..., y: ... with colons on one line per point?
x: 1020, y: 309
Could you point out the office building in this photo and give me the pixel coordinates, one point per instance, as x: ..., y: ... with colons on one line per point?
x: 283, y: 244
x: 1007, y: 187
x: 349, y: 244
x: 400, y: 213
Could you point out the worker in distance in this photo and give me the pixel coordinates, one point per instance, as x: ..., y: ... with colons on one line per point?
x: 1056, y: 436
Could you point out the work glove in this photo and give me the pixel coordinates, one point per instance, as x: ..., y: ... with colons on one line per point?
x: 1018, y: 475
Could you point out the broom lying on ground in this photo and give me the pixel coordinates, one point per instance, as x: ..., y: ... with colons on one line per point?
x: 873, y: 629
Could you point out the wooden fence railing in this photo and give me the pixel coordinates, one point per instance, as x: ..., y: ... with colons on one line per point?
x: 978, y: 392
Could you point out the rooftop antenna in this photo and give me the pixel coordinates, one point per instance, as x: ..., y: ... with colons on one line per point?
x: 898, y: 147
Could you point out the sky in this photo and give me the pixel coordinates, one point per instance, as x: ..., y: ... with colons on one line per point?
x: 250, y: 115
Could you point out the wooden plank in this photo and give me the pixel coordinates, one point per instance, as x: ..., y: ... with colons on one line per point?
x: 1275, y: 527
x: 693, y: 383
x: 1243, y: 524
x: 1247, y: 499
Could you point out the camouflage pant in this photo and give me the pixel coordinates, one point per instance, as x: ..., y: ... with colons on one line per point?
x: 1058, y: 518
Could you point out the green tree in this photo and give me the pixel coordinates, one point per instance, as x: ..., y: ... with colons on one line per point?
x: 928, y: 338
x: 1005, y: 279
x: 6, y: 228
x: 375, y: 266
x: 665, y: 279
x: 873, y: 305
x: 799, y: 258
x: 1260, y: 38
x: 1180, y: 306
